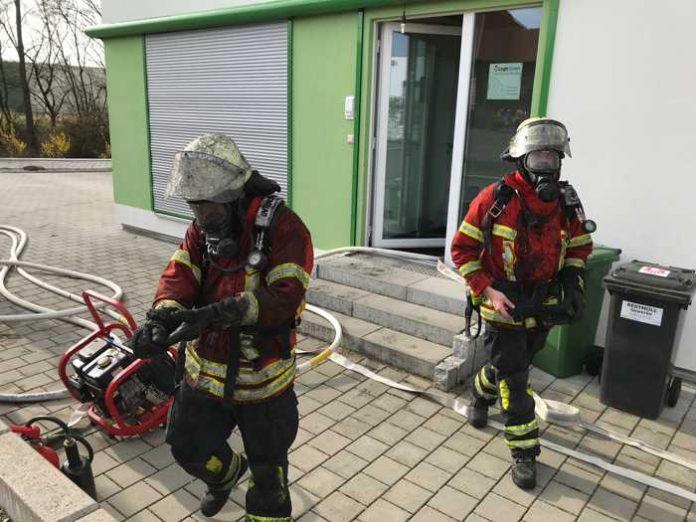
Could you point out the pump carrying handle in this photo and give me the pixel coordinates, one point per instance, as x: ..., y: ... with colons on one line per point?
x: 90, y: 295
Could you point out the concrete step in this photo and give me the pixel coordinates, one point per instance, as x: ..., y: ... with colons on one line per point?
x: 397, y: 349
x: 387, y: 277
x: 401, y: 316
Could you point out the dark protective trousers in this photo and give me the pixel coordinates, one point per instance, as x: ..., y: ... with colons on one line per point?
x: 198, y: 430
x: 506, y: 377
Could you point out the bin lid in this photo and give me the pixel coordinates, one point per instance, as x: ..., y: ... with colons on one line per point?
x: 601, y: 253
x: 666, y: 282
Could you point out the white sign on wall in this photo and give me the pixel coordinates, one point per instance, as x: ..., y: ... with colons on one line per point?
x: 504, y: 81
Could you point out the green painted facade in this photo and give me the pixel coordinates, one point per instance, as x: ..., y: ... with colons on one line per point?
x: 128, y: 121
x: 330, y: 57
x: 323, y: 63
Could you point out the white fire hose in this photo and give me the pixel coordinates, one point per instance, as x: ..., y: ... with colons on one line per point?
x: 551, y: 411
x: 18, y: 242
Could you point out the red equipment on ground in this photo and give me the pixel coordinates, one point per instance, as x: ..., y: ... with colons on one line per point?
x: 129, y: 396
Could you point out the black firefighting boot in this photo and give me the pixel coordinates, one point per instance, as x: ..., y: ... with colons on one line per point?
x: 524, y: 472
x: 216, y: 496
x: 478, y: 414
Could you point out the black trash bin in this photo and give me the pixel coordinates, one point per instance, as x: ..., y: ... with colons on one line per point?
x: 644, y: 323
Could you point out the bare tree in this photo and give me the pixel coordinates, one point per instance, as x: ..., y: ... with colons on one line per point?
x: 7, y: 122
x: 15, y: 34
x: 44, y: 58
x: 78, y: 57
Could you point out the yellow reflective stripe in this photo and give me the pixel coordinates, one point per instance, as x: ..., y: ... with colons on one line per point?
x: 504, y: 232
x: 481, y: 391
x: 210, y: 385
x: 169, y: 303
x: 192, y: 369
x: 484, y: 379
x: 476, y: 299
x: 469, y: 268
x: 584, y: 239
x: 491, y: 315
x: 522, y: 429
x: 183, y: 257
x: 214, y: 465
x: 288, y: 270
x: 504, y: 391
x: 259, y: 518
x: 574, y: 261
x: 530, y: 323
x: 471, y: 231
x: 522, y: 444
x: 204, y: 365
x: 256, y: 394
x: 250, y: 377
x: 252, y: 280
x: 564, y: 248
x: 509, y: 259
x: 251, y: 316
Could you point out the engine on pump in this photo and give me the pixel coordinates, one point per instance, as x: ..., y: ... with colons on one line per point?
x: 97, y: 365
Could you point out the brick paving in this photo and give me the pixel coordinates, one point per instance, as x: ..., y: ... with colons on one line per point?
x: 363, y: 452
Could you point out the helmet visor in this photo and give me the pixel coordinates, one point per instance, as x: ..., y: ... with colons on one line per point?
x: 540, y: 136
x: 208, y: 214
x: 543, y: 161
x: 198, y: 176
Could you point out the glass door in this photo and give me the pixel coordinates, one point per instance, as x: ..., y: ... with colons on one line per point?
x: 417, y: 98
x: 495, y: 95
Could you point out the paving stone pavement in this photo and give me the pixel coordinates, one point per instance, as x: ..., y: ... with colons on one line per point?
x: 363, y: 452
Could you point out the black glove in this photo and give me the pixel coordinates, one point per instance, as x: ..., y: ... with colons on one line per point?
x: 223, y: 314
x: 572, y: 280
x: 150, y: 339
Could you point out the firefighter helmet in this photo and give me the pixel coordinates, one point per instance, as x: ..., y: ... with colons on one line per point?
x: 210, y: 168
x: 537, y: 134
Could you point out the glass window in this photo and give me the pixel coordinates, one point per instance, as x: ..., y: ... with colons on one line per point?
x: 500, y: 96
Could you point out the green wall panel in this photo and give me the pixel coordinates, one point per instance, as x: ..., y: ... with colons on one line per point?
x: 323, y: 63
x: 128, y: 121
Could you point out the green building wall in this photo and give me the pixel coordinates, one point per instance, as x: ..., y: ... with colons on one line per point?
x: 323, y: 74
x: 330, y: 58
x: 126, y: 84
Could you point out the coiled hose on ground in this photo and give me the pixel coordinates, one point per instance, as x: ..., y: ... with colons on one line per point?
x: 19, y: 239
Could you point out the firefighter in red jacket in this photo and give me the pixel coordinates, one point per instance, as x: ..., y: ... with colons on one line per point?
x: 522, y: 248
x: 231, y: 293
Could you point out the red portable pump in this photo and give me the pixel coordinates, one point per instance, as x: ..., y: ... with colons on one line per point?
x: 128, y: 396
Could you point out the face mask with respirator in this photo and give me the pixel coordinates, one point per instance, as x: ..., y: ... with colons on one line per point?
x: 223, y: 226
x: 543, y: 170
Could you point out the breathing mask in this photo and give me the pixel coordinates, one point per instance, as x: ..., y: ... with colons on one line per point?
x: 543, y: 170
x: 220, y: 226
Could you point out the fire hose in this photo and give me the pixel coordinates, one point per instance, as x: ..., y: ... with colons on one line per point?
x: 551, y: 411
x: 19, y: 241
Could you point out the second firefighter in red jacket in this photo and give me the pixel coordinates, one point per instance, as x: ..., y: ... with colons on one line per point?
x: 522, y: 250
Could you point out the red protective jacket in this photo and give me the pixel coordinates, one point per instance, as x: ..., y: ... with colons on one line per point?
x: 275, y: 296
x: 519, y: 251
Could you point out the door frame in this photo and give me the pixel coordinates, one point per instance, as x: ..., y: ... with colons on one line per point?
x: 369, y: 29
x: 381, y: 104
x: 460, y: 125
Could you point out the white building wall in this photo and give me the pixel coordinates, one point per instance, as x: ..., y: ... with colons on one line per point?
x: 623, y: 80
x: 115, y: 11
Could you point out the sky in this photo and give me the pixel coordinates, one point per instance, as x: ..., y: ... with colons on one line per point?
x: 31, y: 30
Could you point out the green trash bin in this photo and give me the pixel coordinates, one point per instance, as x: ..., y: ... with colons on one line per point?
x: 568, y: 345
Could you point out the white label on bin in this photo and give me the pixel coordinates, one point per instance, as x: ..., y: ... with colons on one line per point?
x: 655, y: 271
x: 641, y: 313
